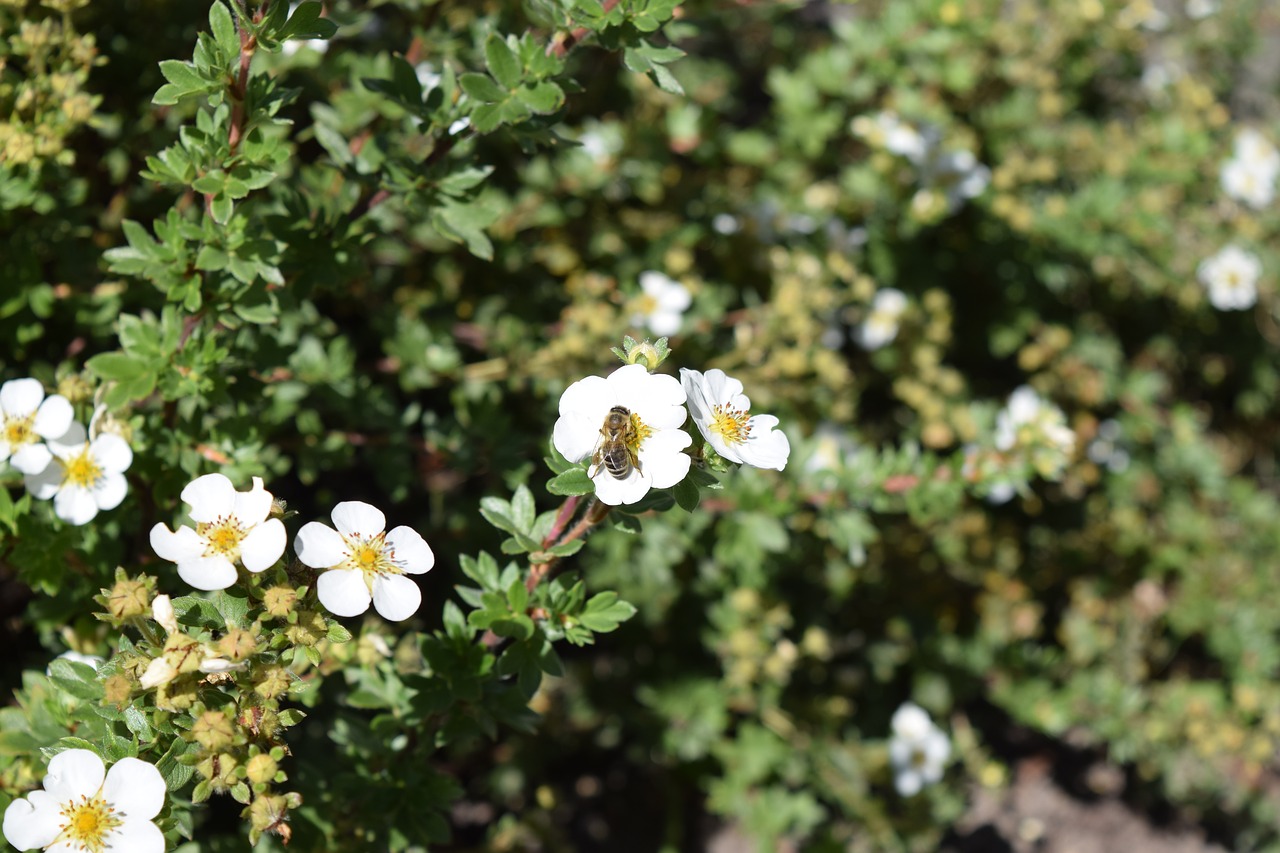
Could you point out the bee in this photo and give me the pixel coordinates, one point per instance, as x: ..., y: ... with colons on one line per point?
x: 613, y: 451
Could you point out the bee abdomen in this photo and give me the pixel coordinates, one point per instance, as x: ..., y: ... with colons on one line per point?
x: 617, y: 464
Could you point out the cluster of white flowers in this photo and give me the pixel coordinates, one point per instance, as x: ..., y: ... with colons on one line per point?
x: 948, y: 177
x: 881, y: 324
x: 85, y: 807
x: 59, y: 460
x: 1031, y: 425
x: 1231, y: 278
x: 629, y: 425
x: 918, y: 749
x: 1249, y: 175
x: 361, y: 563
x: 661, y: 307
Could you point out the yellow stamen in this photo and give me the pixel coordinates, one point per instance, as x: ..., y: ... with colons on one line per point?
x: 88, y: 823
x: 732, y: 424
x: 81, y: 470
x: 222, y: 536
x: 372, y: 556
x: 20, y: 430
x: 639, y: 432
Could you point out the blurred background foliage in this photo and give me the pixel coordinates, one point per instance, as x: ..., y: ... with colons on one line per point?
x: 405, y: 343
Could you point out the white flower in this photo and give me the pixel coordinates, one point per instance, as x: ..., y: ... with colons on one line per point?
x: 459, y: 125
x: 832, y: 446
x: 162, y: 613
x: 663, y: 303
x: 26, y: 417
x: 363, y: 563
x: 881, y: 325
x: 1200, y: 9
x: 957, y: 174
x: 230, y: 526
x: 918, y: 749
x: 1231, y: 277
x: 726, y: 224
x: 1248, y: 182
x: 885, y: 130
x: 428, y: 76
x: 653, y: 406
x: 1028, y: 420
x: 720, y: 411
x: 84, y: 476
x: 85, y: 808
x: 1253, y: 148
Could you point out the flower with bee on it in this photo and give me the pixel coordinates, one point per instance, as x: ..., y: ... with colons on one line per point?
x: 628, y: 424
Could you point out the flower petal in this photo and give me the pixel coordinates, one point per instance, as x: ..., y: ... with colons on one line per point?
x: 413, y: 554
x: 136, y: 836
x: 75, y: 504
x: 210, y: 497
x: 112, y: 453
x: 357, y: 518
x: 575, y: 436
x: 263, y: 546
x: 396, y: 597
x: 614, y: 492
x: 53, y: 418
x: 208, y: 573
x: 722, y: 388
x: 46, y: 484
x: 767, y: 448
x: 34, y: 822
x: 20, y: 397
x: 73, y: 774
x: 319, y: 545
x: 253, y: 506
x: 657, y: 399
x: 591, y: 397
x: 109, y: 491
x: 70, y: 442
x: 136, y: 788
x: 343, y: 592
x: 908, y: 782
x: 176, y: 545
x: 32, y: 458
x: 661, y: 457
x: 663, y: 322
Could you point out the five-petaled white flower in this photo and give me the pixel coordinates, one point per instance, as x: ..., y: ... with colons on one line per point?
x: 363, y: 563
x: 650, y: 408
x: 86, y: 809
x: 881, y: 325
x: 84, y: 476
x: 230, y: 527
x: 663, y: 303
x: 1231, y: 277
x: 1028, y: 420
x: 26, y: 417
x: 918, y: 749
x: 721, y: 412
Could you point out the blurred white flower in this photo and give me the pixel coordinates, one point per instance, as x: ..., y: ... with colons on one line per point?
x: 26, y: 417
x: 881, y: 325
x: 663, y: 304
x: 84, y: 476
x: 1253, y: 148
x: 918, y: 749
x: 162, y: 613
x: 721, y: 412
x: 230, y: 527
x: 831, y: 448
x: 363, y: 564
x: 1027, y: 421
x: 726, y: 223
x: 1248, y: 182
x: 1231, y: 278
x: 651, y: 407
x: 1198, y: 10
x: 886, y: 130
x: 957, y: 174
x: 86, y: 809
x: 428, y: 77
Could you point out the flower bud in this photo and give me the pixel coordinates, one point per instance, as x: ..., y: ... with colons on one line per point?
x: 162, y: 612
x: 117, y: 690
x: 273, y: 682
x: 238, y: 644
x: 128, y: 597
x: 309, y: 630
x: 279, y: 601
x: 262, y: 769
x: 213, y: 731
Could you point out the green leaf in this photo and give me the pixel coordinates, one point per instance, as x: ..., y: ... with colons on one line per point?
x: 572, y: 482
x: 482, y: 88
x: 183, y: 79
x: 687, y: 494
x: 306, y: 23
x: 604, y: 613
x: 498, y: 512
x: 543, y: 98
x: 523, y: 509
x: 502, y: 61
x: 224, y: 30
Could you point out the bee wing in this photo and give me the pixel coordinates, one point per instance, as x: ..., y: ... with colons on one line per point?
x: 597, y: 458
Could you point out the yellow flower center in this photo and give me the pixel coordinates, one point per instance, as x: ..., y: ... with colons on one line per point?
x: 81, y: 470
x: 639, y: 432
x: 371, y: 555
x: 222, y: 536
x: 648, y: 304
x: 20, y: 430
x: 88, y: 822
x: 733, y: 425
